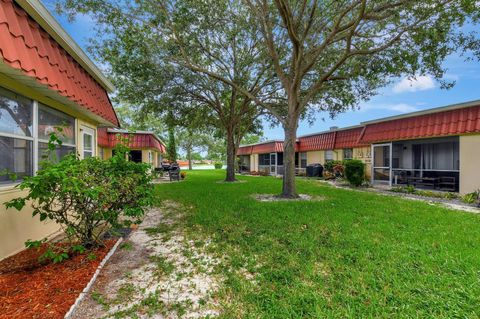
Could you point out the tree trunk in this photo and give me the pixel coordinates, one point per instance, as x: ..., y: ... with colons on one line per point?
x: 288, y: 188
x: 230, y: 177
x: 189, y: 157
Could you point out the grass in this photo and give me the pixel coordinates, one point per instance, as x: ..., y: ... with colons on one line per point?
x: 354, y: 254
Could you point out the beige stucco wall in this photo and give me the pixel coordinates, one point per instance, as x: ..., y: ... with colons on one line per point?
x: 364, y: 154
x: 254, y: 162
x: 469, y: 159
x: 315, y: 157
x: 17, y: 227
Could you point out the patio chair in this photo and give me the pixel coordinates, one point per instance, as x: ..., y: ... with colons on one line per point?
x: 174, y: 173
x: 447, y: 183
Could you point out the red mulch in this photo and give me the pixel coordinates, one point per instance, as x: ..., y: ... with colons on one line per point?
x: 30, y: 289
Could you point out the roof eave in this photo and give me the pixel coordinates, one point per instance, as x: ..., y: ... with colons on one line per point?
x: 450, y: 107
x: 46, y: 20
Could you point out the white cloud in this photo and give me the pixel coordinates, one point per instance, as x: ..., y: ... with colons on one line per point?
x: 419, y: 83
x: 394, y: 107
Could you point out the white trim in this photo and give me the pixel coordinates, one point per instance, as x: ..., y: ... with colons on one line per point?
x: 35, y: 135
x: 86, y: 130
x: 45, y: 19
x: 29, y: 138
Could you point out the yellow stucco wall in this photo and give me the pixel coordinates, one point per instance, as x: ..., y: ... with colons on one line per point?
x: 17, y: 227
x: 316, y: 157
x: 469, y: 159
x: 364, y: 154
x: 254, y: 162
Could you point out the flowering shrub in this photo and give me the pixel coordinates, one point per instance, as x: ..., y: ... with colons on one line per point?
x: 87, y: 196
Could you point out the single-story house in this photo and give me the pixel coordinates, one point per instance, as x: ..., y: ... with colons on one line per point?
x: 46, y: 81
x: 145, y: 147
x: 435, y: 148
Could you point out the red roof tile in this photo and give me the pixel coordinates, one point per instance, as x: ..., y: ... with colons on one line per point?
x: 24, y: 45
x: 452, y: 122
x: 136, y: 140
x: 268, y: 147
x: 348, y: 138
x: 323, y: 141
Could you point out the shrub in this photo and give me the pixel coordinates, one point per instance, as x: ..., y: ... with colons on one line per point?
x: 330, y: 165
x: 355, y: 172
x: 218, y: 165
x: 183, y: 175
x: 472, y: 198
x: 86, y: 197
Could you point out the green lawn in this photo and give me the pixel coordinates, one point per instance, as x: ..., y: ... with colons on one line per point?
x: 354, y: 254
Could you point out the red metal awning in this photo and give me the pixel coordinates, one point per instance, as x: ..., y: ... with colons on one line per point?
x: 25, y: 46
x: 452, y: 122
x: 267, y: 147
x: 135, y: 140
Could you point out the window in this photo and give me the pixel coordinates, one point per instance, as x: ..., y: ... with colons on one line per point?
x: 348, y: 153
x: 63, y: 126
x: 150, y: 157
x: 100, y: 153
x: 303, y: 159
x: 25, y: 128
x: 88, y: 142
x: 264, y: 159
x: 16, y: 136
x: 328, y: 155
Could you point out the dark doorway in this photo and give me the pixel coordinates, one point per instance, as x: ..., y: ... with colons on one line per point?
x: 135, y: 156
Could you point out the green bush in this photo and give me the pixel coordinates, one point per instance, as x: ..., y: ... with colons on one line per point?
x: 218, y: 165
x: 355, y: 172
x: 472, y: 198
x: 88, y: 196
x: 330, y: 165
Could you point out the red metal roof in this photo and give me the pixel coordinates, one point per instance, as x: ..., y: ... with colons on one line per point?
x: 136, y: 140
x: 267, y: 147
x: 348, y: 138
x: 322, y: 141
x: 25, y: 46
x: 452, y: 122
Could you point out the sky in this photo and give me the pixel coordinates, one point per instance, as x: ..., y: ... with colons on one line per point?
x: 403, y: 96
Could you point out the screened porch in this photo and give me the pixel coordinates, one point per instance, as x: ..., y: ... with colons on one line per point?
x: 427, y: 163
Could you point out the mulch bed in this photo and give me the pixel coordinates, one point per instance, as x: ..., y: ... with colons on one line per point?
x: 30, y: 289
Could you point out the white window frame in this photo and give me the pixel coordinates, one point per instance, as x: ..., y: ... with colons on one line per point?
x: 86, y: 130
x: 39, y: 140
x: 34, y: 139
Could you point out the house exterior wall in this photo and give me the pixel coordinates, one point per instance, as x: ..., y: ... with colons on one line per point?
x: 469, y: 159
x: 254, y: 162
x: 16, y: 227
x: 364, y: 154
x: 316, y: 157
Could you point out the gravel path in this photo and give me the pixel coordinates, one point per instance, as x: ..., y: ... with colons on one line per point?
x: 156, y: 273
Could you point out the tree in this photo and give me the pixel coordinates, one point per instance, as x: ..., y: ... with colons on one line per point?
x: 327, y: 55
x: 192, y: 140
x: 143, y: 49
x: 171, y: 144
x: 330, y: 55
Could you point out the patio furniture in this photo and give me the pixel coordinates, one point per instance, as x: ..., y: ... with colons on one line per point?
x: 174, y: 173
x: 447, y: 183
x: 423, y: 181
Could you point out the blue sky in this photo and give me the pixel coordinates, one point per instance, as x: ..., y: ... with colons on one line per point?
x: 401, y: 97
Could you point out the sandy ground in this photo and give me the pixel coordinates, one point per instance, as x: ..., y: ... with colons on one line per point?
x: 156, y: 273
